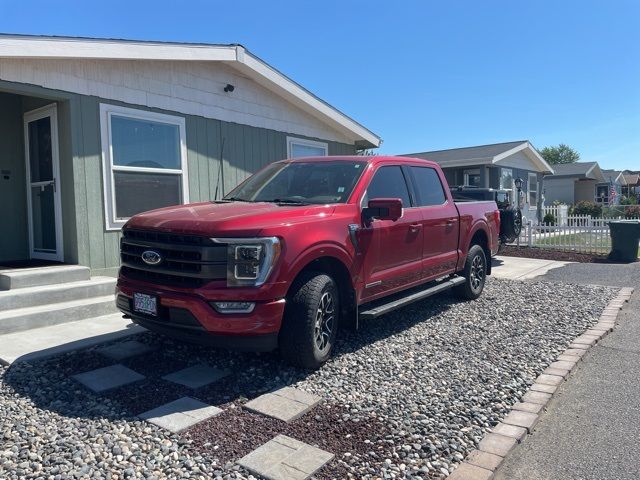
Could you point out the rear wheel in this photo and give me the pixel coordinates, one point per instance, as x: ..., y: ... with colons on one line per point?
x: 310, y: 321
x: 475, y: 274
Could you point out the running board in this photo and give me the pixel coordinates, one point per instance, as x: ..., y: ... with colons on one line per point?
x: 378, y: 310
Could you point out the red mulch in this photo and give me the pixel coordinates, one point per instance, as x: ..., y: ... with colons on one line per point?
x: 548, y: 254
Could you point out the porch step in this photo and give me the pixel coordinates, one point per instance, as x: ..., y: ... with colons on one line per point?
x: 14, y: 278
x: 20, y: 319
x: 56, y: 293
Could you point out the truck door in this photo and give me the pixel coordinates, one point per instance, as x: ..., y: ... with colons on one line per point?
x: 440, y: 222
x: 393, y: 256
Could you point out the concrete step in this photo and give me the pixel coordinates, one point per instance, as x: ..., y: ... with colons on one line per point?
x: 62, y: 292
x: 32, y: 277
x: 20, y: 319
x: 44, y: 342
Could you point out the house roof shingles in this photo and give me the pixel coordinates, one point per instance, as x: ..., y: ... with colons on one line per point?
x: 480, y: 152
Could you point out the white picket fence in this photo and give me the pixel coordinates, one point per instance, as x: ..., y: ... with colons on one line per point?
x: 582, y: 234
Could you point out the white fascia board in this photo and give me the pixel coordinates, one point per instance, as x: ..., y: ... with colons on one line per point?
x: 112, y: 50
x: 299, y: 96
x: 532, y: 153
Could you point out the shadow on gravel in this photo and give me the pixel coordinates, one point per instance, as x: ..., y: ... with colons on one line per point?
x: 48, y: 383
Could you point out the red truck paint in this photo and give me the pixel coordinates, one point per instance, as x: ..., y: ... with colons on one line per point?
x: 424, y: 244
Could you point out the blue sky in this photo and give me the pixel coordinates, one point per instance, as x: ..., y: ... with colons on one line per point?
x: 424, y: 75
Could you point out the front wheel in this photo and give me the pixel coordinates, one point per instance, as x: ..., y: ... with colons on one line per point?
x: 475, y: 274
x: 310, y: 321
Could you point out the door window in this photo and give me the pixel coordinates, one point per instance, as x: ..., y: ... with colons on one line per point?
x: 388, y: 182
x: 428, y: 186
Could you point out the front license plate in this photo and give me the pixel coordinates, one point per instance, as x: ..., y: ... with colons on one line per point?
x: 144, y: 303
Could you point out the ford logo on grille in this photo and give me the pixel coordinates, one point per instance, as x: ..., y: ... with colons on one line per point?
x: 151, y: 258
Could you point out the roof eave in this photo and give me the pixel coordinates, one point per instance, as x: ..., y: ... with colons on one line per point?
x: 234, y: 55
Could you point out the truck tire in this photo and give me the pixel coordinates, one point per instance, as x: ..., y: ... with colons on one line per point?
x: 510, y: 224
x: 310, y: 323
x: 475, y: 274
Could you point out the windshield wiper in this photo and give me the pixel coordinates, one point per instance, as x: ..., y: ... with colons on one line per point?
x: 287, y: 201
x: 233, y: 199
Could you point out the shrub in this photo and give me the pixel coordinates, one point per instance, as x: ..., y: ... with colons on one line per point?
x: 632, y: 211
x: 628, y: 201
x: 549, y: 219
x: 614, y: 211
x: 586, y: 208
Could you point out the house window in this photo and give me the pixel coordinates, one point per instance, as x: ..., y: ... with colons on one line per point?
x: 506, y: 182
x: 299, y: 147
x: 472, y: 177
x: 144, y: 161
x: 602, y: 194
x: 532, y: 190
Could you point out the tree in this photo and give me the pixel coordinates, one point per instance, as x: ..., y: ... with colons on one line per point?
x: 560, y: 154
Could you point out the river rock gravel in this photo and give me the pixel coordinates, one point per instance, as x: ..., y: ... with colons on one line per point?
x: 407, y: 396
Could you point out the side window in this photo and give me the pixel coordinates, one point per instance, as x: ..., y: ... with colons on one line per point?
x: 428, y: 186
x: 388, y: 182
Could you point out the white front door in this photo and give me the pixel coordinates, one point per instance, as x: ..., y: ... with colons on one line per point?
x: 43, y: 183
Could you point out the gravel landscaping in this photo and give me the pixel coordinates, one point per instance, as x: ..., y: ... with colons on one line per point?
x: 408, y: 396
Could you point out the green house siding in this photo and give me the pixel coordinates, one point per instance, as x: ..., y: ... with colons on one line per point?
x: 219, y: 156
x: 243, y: 150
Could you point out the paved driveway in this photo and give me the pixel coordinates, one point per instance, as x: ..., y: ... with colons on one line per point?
x: 591, y: 430
x: 518, y: 268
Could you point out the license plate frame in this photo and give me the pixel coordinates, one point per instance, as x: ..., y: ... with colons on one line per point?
x: 145, y: 303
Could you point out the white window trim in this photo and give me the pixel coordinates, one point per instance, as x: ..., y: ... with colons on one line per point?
x: 534, y: 175
x: 307, y: 143
x: 467, y: 172
x: 106, y: 111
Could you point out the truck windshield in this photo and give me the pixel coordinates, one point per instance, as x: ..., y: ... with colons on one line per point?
x: 301, y: 183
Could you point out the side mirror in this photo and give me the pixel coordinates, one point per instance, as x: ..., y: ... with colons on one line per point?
x: 383, y: 209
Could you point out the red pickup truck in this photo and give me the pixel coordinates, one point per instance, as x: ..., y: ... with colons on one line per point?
x: 300, y: 248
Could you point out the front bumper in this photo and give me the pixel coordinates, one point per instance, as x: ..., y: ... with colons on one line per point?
x: 190, y: 317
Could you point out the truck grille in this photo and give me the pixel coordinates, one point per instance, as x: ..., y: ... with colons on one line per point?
x: 188, y: 261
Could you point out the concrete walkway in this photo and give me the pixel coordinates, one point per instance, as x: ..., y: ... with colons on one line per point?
x: 516, y: 268
x: 591, y: 430
x: 65, y: 337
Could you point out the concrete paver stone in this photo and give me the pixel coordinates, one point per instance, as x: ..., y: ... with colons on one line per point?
x: 497, y: 444
x: 106, y: 378
x: 180, y: 414
x: 120, y: 351
x: 285, y: 458
x: 285, y: 404
x: 468, y: 471
x: 196, y: 376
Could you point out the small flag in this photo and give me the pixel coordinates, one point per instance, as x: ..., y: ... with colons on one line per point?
x: 613, y: 193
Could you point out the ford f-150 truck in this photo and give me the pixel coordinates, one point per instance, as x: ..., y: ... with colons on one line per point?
x: 300, y: 248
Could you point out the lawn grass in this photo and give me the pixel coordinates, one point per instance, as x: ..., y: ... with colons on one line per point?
x: 598, y: 244
x: 579, y: 242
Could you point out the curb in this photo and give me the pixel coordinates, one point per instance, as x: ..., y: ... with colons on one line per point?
x: 482, y: 463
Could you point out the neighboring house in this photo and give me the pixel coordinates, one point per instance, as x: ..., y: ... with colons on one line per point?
x: 94, y: 131
x: 584, y: 181
x: 496, y: 166
x: 632, y: 180
x: 610, y: 192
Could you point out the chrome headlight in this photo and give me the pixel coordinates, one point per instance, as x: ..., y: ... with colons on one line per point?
x: 250, y: 260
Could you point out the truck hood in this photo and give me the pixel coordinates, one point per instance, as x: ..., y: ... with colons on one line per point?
x: 227, y: 219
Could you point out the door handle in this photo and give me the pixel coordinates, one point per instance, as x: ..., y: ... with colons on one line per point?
x: 414, y: 227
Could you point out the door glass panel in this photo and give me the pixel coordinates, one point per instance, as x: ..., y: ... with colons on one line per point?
x: 44, y: 218
x: 40, y: 157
